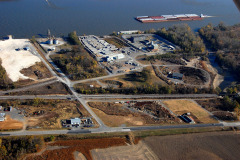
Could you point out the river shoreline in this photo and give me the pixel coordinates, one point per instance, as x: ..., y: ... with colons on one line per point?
x: 223, y: 78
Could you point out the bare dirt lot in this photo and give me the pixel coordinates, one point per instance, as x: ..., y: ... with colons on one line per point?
x: 201, y: 146
x: 139, y: 151
x: 83, y: 146
x: 115, y: 115
x: 37, y: 71
x: 15, y: 56
x: 10, y: 124
x: 180, y: 107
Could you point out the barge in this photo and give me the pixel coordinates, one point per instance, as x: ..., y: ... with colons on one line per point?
x: 167, y: 18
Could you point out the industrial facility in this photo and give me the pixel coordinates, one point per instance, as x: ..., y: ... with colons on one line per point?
x: 100, y: 49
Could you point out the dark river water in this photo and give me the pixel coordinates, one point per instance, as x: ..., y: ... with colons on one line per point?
x: 25, y: 18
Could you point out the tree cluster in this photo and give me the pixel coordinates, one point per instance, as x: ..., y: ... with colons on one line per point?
x: 73, y: 38
x: 5, y: 82
x: 78, y: 64
x: 222, y: 37
x: 15, y: 147
x: 183, y: 36
x: 146, y: 89
x: 142, y: 76
x: 225, y: 40
x: 168, y: 57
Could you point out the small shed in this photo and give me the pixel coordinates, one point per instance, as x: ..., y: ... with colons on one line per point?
x: 75, y: 121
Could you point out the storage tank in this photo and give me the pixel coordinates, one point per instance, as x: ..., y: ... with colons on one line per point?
x: 55, y: 41
x: 50, y: 41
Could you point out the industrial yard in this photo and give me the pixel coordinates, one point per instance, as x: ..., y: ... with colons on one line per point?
x: 133, y: 113
x: 115, y: 60
x: 42, y: 114
x: 150, y: 43
x: 17, y: 54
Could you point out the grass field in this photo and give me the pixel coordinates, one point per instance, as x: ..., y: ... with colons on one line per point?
x: 180, y: 107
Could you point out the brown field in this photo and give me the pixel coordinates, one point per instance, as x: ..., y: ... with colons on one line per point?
x: 212, y: 104
x: 36, y: 72
x: 116, y: 121
x: 83, y: 146
x: 128, y: 82
x: 180, y: 107
x: 86, y: 85
x: 141, y: 59
x: 10, y: 124
x: 54, y: 88
x: 200, y: 146
x: 139, y: 151
x: 115, y: 115
x: 42, y: 71
x: 218, y: 109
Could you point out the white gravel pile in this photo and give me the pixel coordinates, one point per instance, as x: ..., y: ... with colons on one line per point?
x: 14, y: 61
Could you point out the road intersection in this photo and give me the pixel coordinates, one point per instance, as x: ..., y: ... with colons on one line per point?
x: 60, y: 76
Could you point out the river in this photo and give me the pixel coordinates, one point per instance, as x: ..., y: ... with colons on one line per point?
x: 25, y: 18
x: 228, y: 78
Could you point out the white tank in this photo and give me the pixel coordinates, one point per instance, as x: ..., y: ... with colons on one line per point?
x: 55, y: 41
x: 50, y: 41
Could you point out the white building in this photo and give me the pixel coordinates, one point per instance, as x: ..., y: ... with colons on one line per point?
x: 129, y: 32
x: 113, y: 57
x: 2, y: 117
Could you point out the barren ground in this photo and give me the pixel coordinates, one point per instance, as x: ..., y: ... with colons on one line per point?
x: 10, y: 124
x: 200, y: 146
x: 83, y: 146
x: 115, y: 115
x: 14, y: 61
x: 37, y: 71
x: 139, y: 151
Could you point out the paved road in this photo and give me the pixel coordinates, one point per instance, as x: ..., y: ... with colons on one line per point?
x: 98, y: 78
x: 117, y: 129
x: 114, y: 96
x: 37, y: 96
x: 163, y: 96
